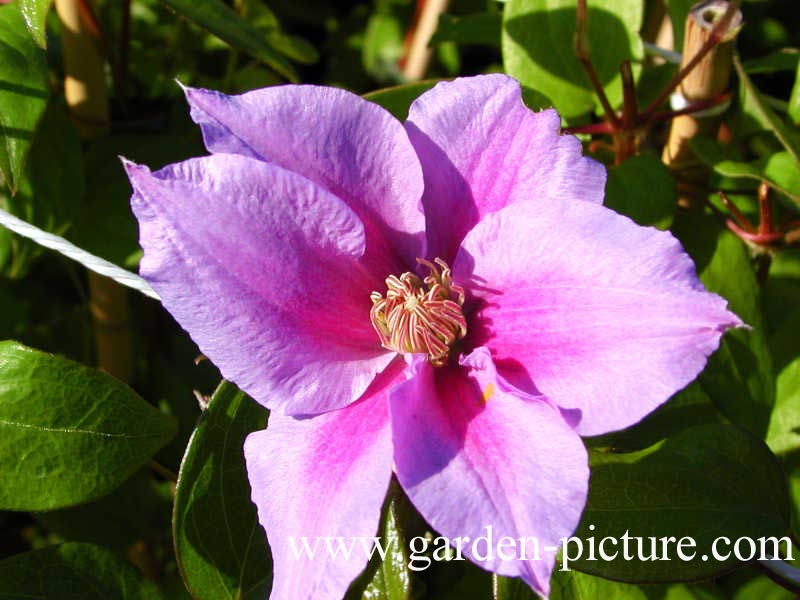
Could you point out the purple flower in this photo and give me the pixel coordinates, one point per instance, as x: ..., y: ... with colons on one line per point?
x: 446, y: 299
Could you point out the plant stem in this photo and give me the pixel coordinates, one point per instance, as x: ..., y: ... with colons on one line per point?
x: 583, y: 52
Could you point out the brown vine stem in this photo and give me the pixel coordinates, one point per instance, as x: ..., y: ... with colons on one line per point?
x: 583, y: 52
x: 85, y: 94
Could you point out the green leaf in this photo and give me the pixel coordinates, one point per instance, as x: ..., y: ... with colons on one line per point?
x: 755, y: 106
x: 763, y: 588
x: 390, y: 578
x: 259, y: 15
x: 68, y: 434
x: 786, y: 59
x: 783, y: 434
x: 24, y: 91
x: 678, y: 11
x: 72, y: 572
x: 574, y: 585
x: 508, y: 588
x: 35, y: 14
x: 794, y: 99
x: 222, y: 550
x: 643, y: 189
x: 50, y: 190
x: 398, y: 99
x: 221, y: 21
x: 739, y: 377
x: 689, y: 407
x: 571, y: 585
x: 538, y: 49
x: 383, y: 45
x: 777, y: 168
x: 706, y: 482
x: 481, y: 28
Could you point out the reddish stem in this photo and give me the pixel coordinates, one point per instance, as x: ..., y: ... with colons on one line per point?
x: 741, y: 219
x: 601, y: 128
x: 582, y: 52
x: 630, y: 108
x: 692, y: 108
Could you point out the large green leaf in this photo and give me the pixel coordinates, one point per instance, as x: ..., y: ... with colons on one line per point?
x: 642, y: 188
x: 538, y: 49
x: 219, y: 19
x: 739, y: 377
x: 72, y: 572
x: 399, y: 98
x: 221, y: 548
x: 689, y: 407
x: 574, y: 585
x: 706, y: 482
x: 784, y: 425
x: 68, y: 434
x: 35, y: 14
x: 23, y: 92
x: 569, y: 585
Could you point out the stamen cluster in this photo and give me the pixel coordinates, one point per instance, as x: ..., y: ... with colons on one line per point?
x: 420, y: 315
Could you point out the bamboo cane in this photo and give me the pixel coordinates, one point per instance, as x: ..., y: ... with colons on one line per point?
x: 706, y: 81
x: 85, y: 93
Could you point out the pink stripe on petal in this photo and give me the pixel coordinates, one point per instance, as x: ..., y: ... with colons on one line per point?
x: 595, y: 312
x: 353, y: 148
x: 264, y: 270
x: 481, y: 148
x: 471, y: 452
x: 322, y: 477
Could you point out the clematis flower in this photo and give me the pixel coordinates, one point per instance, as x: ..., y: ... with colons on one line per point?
x: 446, y: 300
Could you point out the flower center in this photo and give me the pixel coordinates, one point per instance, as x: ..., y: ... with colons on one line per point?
x: 420, y: 316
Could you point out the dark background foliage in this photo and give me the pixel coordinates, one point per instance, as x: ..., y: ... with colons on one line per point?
x: 82, y: 518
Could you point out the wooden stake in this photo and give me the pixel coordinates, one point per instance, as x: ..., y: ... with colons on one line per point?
x: 415, y: 63
x: 85, y: 93
x: 706, y: 81
x: 84, y: 81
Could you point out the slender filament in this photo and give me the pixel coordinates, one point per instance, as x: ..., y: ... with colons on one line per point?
x: 420, y: 315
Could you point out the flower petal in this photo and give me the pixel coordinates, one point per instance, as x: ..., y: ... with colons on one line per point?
x: 473, y: 453
x: 318, y: 479
x: 481, y: 148
x: 353, y: 148
x: 586, y: 307
x: 265, y: 271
